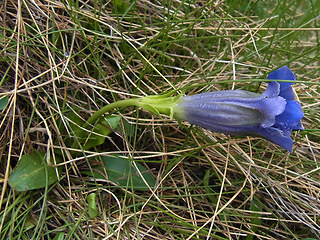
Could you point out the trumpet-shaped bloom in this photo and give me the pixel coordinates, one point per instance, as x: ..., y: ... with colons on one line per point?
x: 271, y: 115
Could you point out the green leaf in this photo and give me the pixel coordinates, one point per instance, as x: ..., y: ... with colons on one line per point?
x: 121, y: 6
x: 255, y: 208
x: 29, y: 223
x: 3, y: 102
x: 92, y: 137
x: 92, y: 206
x: 127, y: 128
x: 123, y: 172
x: 102, y: 129
x: 59, y: 236
x: 206, y: 182
x: 32, y: 172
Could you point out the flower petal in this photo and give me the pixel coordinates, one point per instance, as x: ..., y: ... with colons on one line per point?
x: 217, y: 113
x: 220, y: 96
x: 277, y: 136
x: 287, y: 93
x: 298, y: 126
x: 291, y: 116
x: 270, y: 108
x: 272, y: 90
x: 283, y: 73
x: 234, y: 107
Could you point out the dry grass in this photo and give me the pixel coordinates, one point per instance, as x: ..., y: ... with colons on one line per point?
x: 61, y: 55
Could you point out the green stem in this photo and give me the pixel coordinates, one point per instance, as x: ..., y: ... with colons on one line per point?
x: 110, y: 107
x: 157, y: 104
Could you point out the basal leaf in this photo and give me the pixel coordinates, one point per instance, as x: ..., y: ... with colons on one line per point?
x: 3, y: 102
x: 32, y: 172
x: 123, y: 172
x: 92, y: 205
x: 59, y: 236
x: 102, y: 129
x: 127, y: 128
x: 121, y: 6
x: 256, y: 209
x: 91, y: 137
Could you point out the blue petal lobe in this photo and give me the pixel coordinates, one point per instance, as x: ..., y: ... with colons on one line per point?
x: 272, y: 90
x: 283, y: 73
x: 287, y: 93
x: 291, y: 116
x: 298, y: 126
x: 270, y: 108
x: 277, y: 136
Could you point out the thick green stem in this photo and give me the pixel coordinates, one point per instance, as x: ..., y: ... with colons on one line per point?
x: 157, y: 104
x: 110, y: 107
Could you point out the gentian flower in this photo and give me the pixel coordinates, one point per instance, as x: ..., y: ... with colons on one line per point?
x: 271, y: 115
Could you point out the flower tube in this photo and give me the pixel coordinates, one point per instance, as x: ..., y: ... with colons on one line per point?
x: 271, y: 115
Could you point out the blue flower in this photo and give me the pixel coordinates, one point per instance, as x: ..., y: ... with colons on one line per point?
x: 271, y: 115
